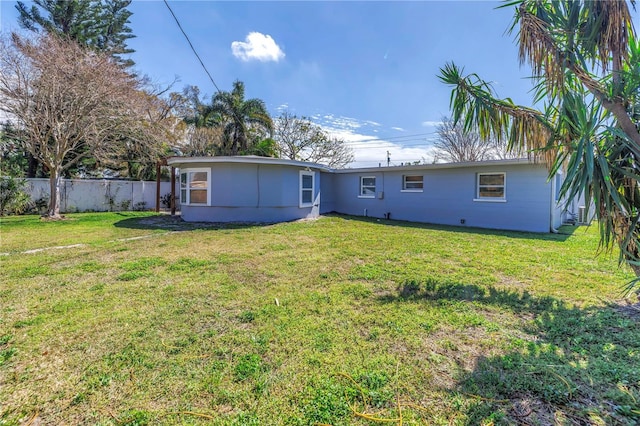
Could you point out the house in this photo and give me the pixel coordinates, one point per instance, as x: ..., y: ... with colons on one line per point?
x: 503, y: 194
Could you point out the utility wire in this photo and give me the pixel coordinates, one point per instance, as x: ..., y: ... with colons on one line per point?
x: 381, y: 139
x: 191, y: 45
x: 199, y: 59
x: 353, y: 143
x: 383, y: 143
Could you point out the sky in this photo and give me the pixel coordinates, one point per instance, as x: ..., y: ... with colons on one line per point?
x: 366, y: 71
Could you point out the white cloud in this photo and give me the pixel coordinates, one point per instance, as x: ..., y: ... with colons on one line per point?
x: 257, y: 46
x: 331, y: 121
x: 371, y: 151
x: 400, y: 129
x: 431, y: 123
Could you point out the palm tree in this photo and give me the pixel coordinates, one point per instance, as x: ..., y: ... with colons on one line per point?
x: 585, y: 59
x: 239, y: 117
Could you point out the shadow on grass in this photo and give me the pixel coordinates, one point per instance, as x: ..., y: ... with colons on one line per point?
x: 175, y: 223
x: 576, y: 367
x: 564, y: 232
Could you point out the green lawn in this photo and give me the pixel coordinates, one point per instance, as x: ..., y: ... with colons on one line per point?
x: 335, y: 321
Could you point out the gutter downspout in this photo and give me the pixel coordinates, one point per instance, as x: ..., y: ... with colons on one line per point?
x: 552, y: 202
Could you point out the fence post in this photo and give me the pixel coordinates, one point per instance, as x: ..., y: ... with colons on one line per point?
x: 173, y: 191
x: 158, y: 187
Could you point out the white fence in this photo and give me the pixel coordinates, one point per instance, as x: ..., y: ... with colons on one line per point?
x: 79, y: 195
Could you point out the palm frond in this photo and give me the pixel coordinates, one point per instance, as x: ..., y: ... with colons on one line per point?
x: 473, y: 100
x: 537, y: 46
x: 610, y: 25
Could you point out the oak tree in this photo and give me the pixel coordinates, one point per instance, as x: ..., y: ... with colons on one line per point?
x: 298, y: 138
x: 69, y: 102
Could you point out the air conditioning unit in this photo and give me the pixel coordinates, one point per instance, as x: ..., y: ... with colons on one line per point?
x: 582, y: 215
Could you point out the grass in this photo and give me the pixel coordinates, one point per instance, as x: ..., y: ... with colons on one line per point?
x: 336, y: 321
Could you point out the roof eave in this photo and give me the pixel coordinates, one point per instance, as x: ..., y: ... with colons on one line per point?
x: 244, y: 159
x: 487, y: 163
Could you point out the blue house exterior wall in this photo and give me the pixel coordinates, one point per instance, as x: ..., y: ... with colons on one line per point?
x: 327, y: 189
x: 253, y: 193
x: 255, y: 189
x: 449, y: 197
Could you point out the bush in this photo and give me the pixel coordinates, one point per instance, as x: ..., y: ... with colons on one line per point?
x: 13, y: 197
x: 166, y: 200
x: 40, y: 205
x: 140, y: 206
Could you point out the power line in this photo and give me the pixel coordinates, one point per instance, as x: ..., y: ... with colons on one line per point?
x: 397, y: 163
x: 381, y: 139
x: 191, y: 45
x: 199, y: 59
x: 352, y: 143
x: 383, y: 144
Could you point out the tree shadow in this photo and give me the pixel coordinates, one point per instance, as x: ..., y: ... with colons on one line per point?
x: 176, y: 224
x: 563, y: 234
x: 570, y: 365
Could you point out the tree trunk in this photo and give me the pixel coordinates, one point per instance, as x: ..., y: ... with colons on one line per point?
x: 234, y: 145
x: 55, y: 180
x: 32, y: 167
x: 635, y: 269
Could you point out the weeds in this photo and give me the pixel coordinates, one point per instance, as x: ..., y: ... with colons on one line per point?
x: 373, y: 321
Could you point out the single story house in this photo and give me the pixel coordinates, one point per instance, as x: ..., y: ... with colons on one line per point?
x: 502, y: 194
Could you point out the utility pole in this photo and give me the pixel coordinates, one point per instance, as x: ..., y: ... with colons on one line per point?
x: 388, y: 158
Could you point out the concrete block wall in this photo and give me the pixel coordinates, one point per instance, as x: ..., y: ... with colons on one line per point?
x: 81, y: 195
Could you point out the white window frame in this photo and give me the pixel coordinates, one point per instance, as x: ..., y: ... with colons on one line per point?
x: 302, y: 204
x: 361, y: 192
x: 502, y: 199
x: 404, y: 184
x: 187, y: 186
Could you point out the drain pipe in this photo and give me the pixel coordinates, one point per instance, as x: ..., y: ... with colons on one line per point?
x: 552, y: 202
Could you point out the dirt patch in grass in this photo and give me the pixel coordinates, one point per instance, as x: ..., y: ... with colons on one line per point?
x: 631, y: 310
x: 527, y: 410
x: 175, y: 223
x: 458, y: 327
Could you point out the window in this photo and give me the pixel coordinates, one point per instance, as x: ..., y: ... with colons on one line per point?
x: 491, y: 187
x: 368, y: 186
x: 412, y: 183
x: 306, y: 188
x: 183, y: 188
x: 194, y: 187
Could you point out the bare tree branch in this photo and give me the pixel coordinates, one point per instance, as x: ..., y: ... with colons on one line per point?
x: 70, y: 103
x: 298, y: 138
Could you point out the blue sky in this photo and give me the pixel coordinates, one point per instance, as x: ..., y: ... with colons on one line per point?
x: 365, y: 70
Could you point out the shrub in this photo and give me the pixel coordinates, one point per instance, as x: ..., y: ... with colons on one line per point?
x: 13, y: 197
x: 166, y: 200
x: 140, y: 206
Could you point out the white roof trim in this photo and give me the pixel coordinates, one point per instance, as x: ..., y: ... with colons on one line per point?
x: 253, y: 159
x: 417, y: 167
x: 243, y: 159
